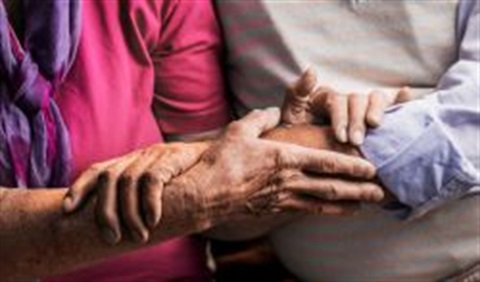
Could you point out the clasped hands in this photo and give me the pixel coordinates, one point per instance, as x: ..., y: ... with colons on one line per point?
x: 252, y: 168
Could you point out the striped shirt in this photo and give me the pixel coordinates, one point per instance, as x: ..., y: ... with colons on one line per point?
x: 361, y: 45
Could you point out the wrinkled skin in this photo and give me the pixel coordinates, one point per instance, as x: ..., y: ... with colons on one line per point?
x: 226, y: 178
x: 186, y: 188
x: 220, y: 184
x: 129, y: 188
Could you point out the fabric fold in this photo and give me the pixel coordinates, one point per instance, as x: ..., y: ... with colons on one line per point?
x: 34, y: 141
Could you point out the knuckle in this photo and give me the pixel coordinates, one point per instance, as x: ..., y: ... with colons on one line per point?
x: 366, y: 191
x: 235, y: 128
x: 175, y: 148
x: 362, y: 169
x: 104, y: 177
x: 131, y: 172
x: 287, y: 178
x: 163, y: 174
x: 256, y: 113
x: 331, y: 101
x: 124, y: 181
x: 288, y: 174
x: 358, y: 125
x: 278, y: 156
x: 282, y: 158
x: 329, y: 164
x: 358, y: 169
x: 331, y: 191
x: 95, y: 168
x: 147, y: 180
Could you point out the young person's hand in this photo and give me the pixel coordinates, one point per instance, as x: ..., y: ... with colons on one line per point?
x: 350, y: 115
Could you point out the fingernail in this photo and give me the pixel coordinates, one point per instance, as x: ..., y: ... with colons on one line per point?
x: 109, y: 236
x: 342, y: 134
x: 67, y: 204
x: 357, y: 137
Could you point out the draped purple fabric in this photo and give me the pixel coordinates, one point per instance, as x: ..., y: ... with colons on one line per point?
x: 34, y: 143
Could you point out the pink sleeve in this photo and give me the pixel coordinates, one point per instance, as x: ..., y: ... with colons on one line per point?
x: 189, y: 85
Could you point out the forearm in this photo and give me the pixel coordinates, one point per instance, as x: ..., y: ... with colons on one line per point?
x: 38, y: 239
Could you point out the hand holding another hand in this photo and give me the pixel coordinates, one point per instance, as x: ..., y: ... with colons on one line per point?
x: 129, y: 189
x: 350, y: 114
x: 243, y: 174
x: 235, y: 176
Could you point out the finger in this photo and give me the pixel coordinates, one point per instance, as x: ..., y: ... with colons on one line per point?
x: 172, y: 163
x: 404, y: 95
x: 152, y: 191
x: 338, y: 108
x: 315, y: 206
x: 335, y: 189
x: 378, y: 103
x: 357, y: 107
x: 255, y: 123
x: 306, y: 83
x: 80, y: 190
x: 106, y: 210
x: 128, y: 181
x: 321, y: 161
x: 130, y: 209
x: 152, y: 182
x: 320, y: 99
x: 295, y: 106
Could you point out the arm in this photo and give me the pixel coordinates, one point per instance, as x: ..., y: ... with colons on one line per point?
x: 37, y: 238
x: 426, y: 151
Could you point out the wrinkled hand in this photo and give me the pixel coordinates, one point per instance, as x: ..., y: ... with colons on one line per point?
x: 129, y: 188
x: 237, y: 175
x: 241, y: 175
x: 350, y: 114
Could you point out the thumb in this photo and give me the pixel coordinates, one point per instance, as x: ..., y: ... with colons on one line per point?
x: 295, y: 106
x: 255, y: 123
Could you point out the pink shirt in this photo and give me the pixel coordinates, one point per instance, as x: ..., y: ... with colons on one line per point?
x: 135, y: 56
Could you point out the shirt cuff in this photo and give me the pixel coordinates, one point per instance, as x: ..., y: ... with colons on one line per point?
x: 417, y: 160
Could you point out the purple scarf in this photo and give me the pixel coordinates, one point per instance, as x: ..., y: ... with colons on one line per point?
x: 34, y: 143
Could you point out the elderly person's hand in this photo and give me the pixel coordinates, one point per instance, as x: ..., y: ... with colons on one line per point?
x: 120, y: 187
x: 237, y: 175
x: 349, y: 114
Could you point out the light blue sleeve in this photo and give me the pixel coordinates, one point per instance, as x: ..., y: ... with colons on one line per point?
x: 427, y: 152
